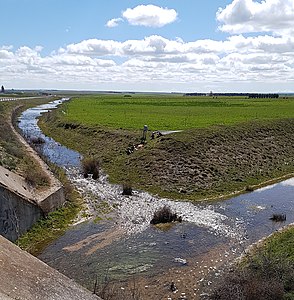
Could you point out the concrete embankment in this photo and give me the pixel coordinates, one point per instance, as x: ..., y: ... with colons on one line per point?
x: 24, y: 277
x: 20, y: 205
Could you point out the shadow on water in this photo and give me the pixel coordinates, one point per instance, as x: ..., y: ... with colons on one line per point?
x: 77, y: 253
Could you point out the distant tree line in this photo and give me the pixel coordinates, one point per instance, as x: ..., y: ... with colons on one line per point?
x: 249, y: 95
x: 195, y: 94
x: 263, y: 96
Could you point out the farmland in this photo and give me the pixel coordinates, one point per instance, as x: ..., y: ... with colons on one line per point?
x: 226, y: 144
x: 173, y: 112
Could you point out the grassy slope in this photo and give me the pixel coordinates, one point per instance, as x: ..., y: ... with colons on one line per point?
x: 55, y: 223
x: 12, y: 152
x: 197, y: 162
x: 266, y: 272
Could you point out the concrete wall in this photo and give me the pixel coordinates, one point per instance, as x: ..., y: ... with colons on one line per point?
x: 24, y: 277
x: 52, y: 201
x: 17, y: 214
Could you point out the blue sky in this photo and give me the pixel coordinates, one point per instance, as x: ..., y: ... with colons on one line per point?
x: 55, y: 23
x: 221, y: 45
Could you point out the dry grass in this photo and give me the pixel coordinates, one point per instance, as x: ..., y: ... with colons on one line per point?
x: 262, y: 278
x: 165, y: 215
x: 34, y: 175
x: 91, y: 166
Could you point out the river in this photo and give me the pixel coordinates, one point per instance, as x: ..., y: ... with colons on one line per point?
x: 124, y: 244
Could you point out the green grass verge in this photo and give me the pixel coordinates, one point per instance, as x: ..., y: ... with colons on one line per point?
x: 13, y: 155
x: 280, y: 244
x: 47, y: 230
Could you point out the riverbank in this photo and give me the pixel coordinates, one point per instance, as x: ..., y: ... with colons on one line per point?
x: 17, y: 156
x: 263, y: 271
x: 13, y: 152
x: 196, y: 164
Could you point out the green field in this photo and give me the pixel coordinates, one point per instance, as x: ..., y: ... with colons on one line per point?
x: 255, y: 143
x: 173, y: 112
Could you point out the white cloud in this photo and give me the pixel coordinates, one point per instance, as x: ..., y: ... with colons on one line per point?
x: 113, y: 22
x: 244, y: 16
x: 5, y: 54
x: 150, y: 15
x: 261, y: 63
x: 93, y: 47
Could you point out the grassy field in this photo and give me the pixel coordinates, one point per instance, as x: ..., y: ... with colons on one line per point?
x: 173, y: 112
x: 226, y: 145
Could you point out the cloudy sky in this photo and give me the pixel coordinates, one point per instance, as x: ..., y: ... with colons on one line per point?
x: 173, y: 46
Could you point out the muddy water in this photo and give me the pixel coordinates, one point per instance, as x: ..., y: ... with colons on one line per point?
x: 128, y: 245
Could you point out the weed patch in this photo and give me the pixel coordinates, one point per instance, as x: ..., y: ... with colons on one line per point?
x: 165, y: 215
x: 90, y: 166
x: 127, y: 189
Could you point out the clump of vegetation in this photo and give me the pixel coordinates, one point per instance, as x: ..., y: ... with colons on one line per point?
x: 165, y: 215
x: 91, y: 166
x: 278, y: 217
x: 249, y: 188
x: 127, y: 189
x: 35, y: 176
x: 37, y: 140
x: 266, y: 273
x: 110, y: 290
x: 263, y: 278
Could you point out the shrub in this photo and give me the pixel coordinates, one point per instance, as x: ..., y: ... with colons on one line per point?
x: 127, y: 189
x: 37, y: 140
x: 165, y: 215
x: 35, y: 176
x: 249, y: 188
x: 90, y: 166
x: 262, y: 278
x: 278, y: 217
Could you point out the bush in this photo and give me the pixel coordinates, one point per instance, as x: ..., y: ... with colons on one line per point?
x: 127, y: 189
x: 249, y: 188
x: 90, y: 166
x: 278, y: 217
x: 35, y: 176
x: 248, y: 286
x: 263, y: 278
x: 37, y: 140
x: 165, y: 215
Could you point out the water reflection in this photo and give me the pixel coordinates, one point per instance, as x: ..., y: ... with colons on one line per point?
x: 53, y: 151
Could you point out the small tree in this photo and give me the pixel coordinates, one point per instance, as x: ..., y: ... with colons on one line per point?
x: 2, y: 89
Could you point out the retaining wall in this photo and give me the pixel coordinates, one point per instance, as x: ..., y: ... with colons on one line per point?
x: 17, y: 214
x: 25, y: 277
